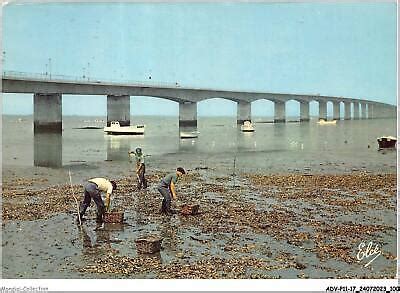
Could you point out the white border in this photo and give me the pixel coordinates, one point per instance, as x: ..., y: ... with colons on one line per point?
x: 204, y: 285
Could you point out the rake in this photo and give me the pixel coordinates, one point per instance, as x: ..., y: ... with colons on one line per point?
x: 76, y: 200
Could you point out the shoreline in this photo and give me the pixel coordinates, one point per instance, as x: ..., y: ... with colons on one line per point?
x: 221, y: 164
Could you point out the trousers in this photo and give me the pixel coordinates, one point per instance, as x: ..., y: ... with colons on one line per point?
x: 166, y: 203
x: 91, y: 191
x: 142, y: 182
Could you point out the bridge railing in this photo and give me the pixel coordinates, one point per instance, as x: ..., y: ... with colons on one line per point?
x: 87, y: 79
x: 94, y: 80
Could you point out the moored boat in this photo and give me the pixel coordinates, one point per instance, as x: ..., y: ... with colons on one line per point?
x: 116, y: 129
x: 324, y: 122
x: 387, y: 142
x: 247, y: 127
x: 192, y: 134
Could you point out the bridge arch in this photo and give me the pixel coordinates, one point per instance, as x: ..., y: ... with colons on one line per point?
x: 144, y: 105
x: 21, y: 104
x: 212, y: 106
x: 279, y: 108
x: 216, y: 97
x: 262, y: 109
x: 292, y: 110
x: 271, y: 99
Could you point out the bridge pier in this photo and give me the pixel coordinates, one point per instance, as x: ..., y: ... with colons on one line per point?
x: 385, y: 111
x: 304, y: 111
x: 322, y: 110
x: 336, y: 110
x: 280, y: 114
x: 47, y: 130
x: 393, y: 111
x: 370, y: 111
x: 119, y: 109
x: 47, y: 149
x: 356, y: 110
x: 47, y: 112
x: 117, y: 148
x: 188, y: 114
x: 378, y: 111
x: 363, y: 110
x: 347, y: 110
x: 243, y: 112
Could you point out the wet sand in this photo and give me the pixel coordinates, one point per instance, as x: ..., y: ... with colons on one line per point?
x: 306, y: 222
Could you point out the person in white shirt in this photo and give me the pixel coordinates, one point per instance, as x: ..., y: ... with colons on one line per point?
x: 93, y: 189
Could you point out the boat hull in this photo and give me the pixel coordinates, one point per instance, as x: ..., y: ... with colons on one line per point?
x: 116, y: 129
x: 385, y: 143
x: 123, y: 132
x: 187, y: 137
x: 184, y: 135
x: 247, y: 127
x: 327, y: 122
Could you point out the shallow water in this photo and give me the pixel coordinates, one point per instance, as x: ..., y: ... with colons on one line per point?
x: 219, y: 142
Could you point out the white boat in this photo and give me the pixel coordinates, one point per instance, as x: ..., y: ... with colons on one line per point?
x: 192, y: 134
x: 323, y: 122
x: 247, y: 127
x: 116, y: 129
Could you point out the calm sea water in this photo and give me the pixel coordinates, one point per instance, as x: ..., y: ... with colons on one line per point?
x: 270, y: 146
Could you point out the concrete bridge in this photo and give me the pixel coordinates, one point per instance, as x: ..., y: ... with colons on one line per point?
x: 48, y: 94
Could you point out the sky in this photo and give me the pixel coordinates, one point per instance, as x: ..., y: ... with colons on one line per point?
x: 338, y: 49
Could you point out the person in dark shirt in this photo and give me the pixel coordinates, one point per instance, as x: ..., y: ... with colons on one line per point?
x: 167, y: 189
x: 140, y: 167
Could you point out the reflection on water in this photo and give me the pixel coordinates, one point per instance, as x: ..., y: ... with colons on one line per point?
x: 187, y: 144
x: 118, y: 147
x: 99, y: 240
x: 246, y: 141
x: 169, y: 234
x: 219, y: 135
x: 47, y: 149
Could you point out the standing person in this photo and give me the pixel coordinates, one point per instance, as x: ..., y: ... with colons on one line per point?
x: 167, y: 189
x: 93, y: 189
x: 140, y: 167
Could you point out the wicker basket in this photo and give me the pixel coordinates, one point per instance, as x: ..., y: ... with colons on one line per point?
x: 188, y: 210
x: 148, y: 245
x: 113, y: 217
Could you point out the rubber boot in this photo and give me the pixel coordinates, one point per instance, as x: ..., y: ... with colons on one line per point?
x: 99, y: 218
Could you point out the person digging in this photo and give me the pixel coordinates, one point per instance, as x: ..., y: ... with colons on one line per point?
x: 140, y: 167
x: 167, y: 189
x: 93, y: 189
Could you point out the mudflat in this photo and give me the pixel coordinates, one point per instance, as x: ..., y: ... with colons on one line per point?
x: 249, y: 225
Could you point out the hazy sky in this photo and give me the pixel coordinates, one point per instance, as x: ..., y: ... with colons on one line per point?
x: 338, y: 49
